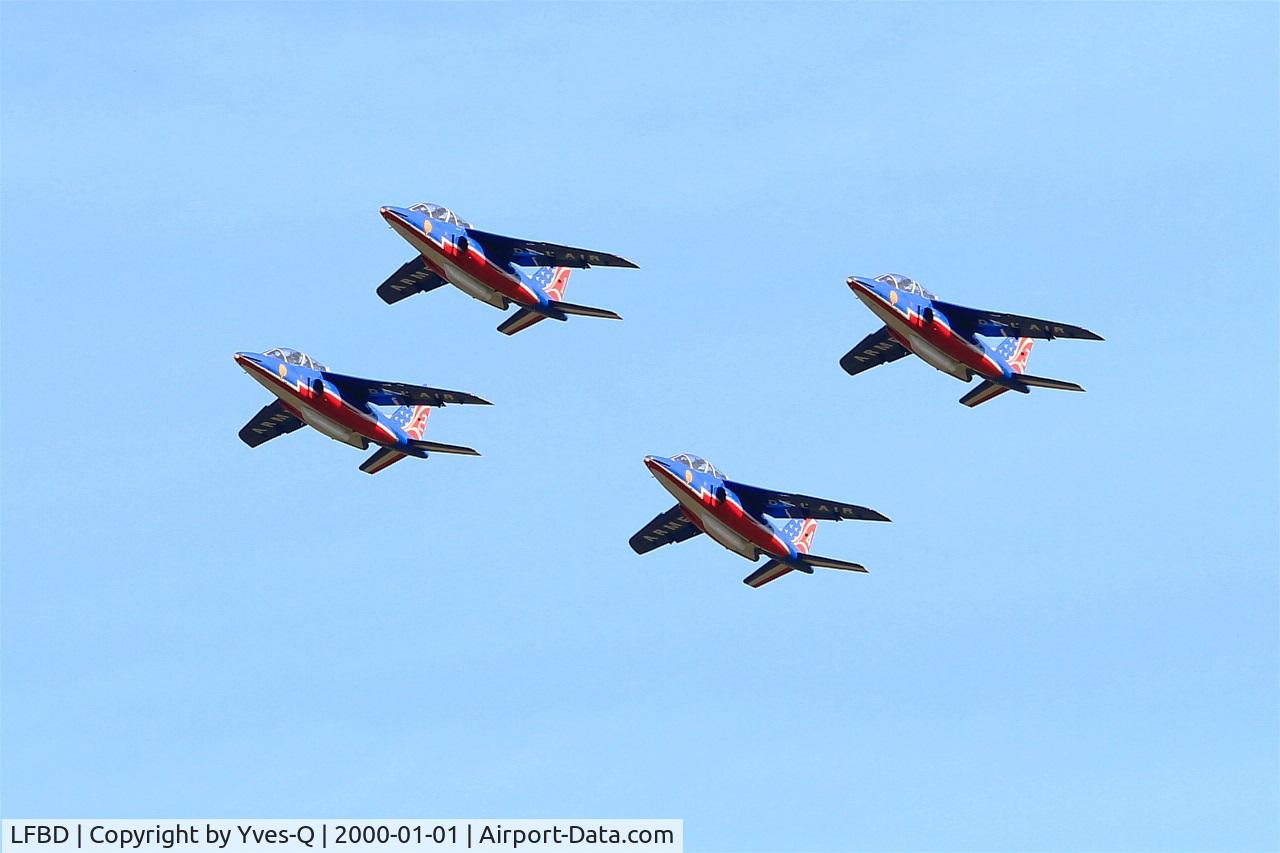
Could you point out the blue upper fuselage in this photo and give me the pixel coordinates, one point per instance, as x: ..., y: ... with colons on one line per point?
x: 299, y: 381
x: 918, y: 308
x: 711, y: 489
x: 448, y: 233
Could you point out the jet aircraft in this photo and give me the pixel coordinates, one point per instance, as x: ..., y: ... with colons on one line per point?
x: 345, y: 408
x: 487, y: 267
x: 737, y: 516
x: 946, y: 336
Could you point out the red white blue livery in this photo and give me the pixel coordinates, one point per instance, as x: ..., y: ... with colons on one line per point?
x: 488, y: 267
x: 949, y: 338
x: 345, y: 408
x: 737, y: 516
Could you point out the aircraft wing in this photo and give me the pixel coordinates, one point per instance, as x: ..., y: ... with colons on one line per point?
x: 996, y: 323
x: 413, y: 277
x: 788, y: 505
x: 879, y: 347
x: 532, y: 253
x: 398, y: 393
x: 669, y: 526
x: 273, y: 420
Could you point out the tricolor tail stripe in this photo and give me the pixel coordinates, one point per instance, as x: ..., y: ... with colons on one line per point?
x: 800, y: 533
x: 412, y: 419
x: 1020, y: 355
x: 1016, y: 351
x: 559, y: 282
x: 417, y: 426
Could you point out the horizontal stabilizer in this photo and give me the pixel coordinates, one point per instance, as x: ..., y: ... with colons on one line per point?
x: 1042, y: 382
x: 437, y: 447
x: 770, y: 571
x: 519, y: 321
x: 775, y: 569
x: 383, y: 457
x: 584, y: 310
x: 986, y: 390
x: 829, y: 563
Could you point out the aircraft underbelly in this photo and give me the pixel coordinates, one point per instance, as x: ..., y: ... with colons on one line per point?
x: 744, y: 539
x: 333, y: 429
x: 708, y: 523
x: 453, y: 274
x: 309, y: 415
x: 724, y: 534
x: 470, y: 285
x: 936, y: 358
x: 927, y: 352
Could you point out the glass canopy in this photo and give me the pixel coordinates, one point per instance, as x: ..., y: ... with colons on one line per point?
x: 906, y: 285
x: 442, y: 214
x: 698, y: 464
x: 292, y: 356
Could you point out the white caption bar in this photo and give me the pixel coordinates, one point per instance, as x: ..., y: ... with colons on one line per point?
x: 298, y: 836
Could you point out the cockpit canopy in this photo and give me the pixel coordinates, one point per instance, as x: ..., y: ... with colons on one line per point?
x: 442, y: 214
x: 292, y: 356
x: 906, y: 285
x: 698, y: 464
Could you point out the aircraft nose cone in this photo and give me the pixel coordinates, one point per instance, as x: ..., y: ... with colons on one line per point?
x: 856, y: 282
x: 656, y: 463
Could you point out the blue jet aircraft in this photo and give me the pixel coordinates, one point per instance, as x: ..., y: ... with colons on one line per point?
x: 487, y: 267
x: 345, y: 408
x: 737, y: 516
x: 946, y: 336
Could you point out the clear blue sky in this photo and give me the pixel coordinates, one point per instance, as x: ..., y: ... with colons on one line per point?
x: 1069, y: 636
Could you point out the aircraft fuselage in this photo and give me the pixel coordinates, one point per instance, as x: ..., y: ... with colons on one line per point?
x: 716, y: 511
x: 459, y: 260
x: 318, y: 403
x: 926, y: 332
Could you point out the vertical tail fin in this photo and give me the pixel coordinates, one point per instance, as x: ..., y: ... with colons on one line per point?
x: 412, y: 419
x: 1015, y: 351
x: 800, y: 532
x: 553, y: 281
x: 556, y: 282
